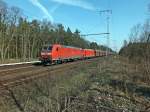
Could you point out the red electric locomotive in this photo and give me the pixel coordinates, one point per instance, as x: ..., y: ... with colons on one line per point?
x: 58, y: 53
x: 89, y: 53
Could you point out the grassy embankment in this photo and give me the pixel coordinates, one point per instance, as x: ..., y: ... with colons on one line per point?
x: 108, y: 84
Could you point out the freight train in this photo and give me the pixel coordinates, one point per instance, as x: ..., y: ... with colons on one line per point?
x: 57, y: 53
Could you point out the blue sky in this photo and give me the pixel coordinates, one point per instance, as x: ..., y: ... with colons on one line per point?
x: 83, y: 15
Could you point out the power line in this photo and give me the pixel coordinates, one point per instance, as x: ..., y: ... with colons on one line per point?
x: 107, y: 30
x: 94, y: 34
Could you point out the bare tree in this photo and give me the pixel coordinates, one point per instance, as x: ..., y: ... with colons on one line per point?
x: 135, y: 32
x: 145, y: 30
x: 3, y: 27
x: 13, y: 15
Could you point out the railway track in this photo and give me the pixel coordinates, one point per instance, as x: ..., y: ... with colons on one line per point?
x: 17, y: 76
x: 17, y: 81
x: 15, y: 70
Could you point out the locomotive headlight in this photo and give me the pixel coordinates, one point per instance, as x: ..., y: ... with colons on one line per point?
x: 48, y: 53
x: 42, y: 53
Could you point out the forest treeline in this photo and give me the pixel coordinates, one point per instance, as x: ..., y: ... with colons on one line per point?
x: 137, y: 49
x: 23, y: 39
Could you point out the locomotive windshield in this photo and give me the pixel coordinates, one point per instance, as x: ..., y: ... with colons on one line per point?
x: 47, y: 48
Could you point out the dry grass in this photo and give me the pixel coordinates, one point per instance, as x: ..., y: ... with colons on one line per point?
x: 108, y: 84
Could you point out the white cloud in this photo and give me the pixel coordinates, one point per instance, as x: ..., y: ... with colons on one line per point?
x: 53, y: 9
x: 78, y: 3
x: 44, y: 10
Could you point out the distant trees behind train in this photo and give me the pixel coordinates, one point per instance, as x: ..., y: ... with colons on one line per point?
x: 23, y: 39
x: 137, y: 49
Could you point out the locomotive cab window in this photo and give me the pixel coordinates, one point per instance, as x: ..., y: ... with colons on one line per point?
x: 45, y: 48
x: 49, y: 48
